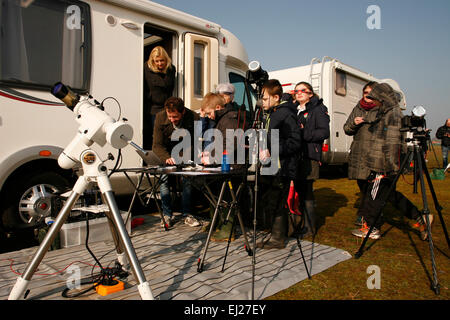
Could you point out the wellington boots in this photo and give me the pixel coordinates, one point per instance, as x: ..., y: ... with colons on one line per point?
x: 278, y: 235
x: 310, y: 218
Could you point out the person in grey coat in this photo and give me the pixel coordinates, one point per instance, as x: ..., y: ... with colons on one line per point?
x: 375, y: 157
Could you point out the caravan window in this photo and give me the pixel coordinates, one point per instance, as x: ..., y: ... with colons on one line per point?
x: 341, y: 83
x: 43, y: 42
x: 199, y: 51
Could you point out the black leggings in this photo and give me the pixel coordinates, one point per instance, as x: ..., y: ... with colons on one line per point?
x: 370, y: 207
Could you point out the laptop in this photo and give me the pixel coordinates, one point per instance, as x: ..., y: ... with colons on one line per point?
x: 150, y: 158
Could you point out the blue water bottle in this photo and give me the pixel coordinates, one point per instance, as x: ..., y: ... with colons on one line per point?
x: 225, y: 164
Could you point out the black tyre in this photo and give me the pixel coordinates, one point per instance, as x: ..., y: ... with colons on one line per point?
x: 27, y: 199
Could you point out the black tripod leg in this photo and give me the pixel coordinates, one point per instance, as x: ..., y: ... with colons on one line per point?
x: 437, y: 206
x: 426, y: 211
x: 201, y: 260
x: 238, y: 214
x: 233, y: 225
x: 383, y: 204
x: 415, y: 175
x: 299, y: 246
x: 153, y: 195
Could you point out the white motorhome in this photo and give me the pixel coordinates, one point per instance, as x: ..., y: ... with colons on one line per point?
x: 95, y: 47
x: 340, y: 87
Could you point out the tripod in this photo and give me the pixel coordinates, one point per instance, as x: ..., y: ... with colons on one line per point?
x: 233, y: 207
x: 415, y: 150
x: 94, y: 171
x: 96, y: 126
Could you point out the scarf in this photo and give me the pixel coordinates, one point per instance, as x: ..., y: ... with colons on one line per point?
x: 366, y: 105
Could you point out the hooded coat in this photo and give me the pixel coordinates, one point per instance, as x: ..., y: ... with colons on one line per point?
x: 385, y: 140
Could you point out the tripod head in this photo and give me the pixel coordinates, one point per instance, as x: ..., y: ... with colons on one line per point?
x: 256, y: 76
x: 415, y: 128
x: 96, y: 125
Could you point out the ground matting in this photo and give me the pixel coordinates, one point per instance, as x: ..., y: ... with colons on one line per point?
x: 169, y: 261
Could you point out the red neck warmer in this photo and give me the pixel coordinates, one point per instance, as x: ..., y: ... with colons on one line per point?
x: 366, y: 105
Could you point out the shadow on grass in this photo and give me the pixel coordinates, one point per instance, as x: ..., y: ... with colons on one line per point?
x: 334, y: 201
x: 332, y: 172
x: 397, y: 220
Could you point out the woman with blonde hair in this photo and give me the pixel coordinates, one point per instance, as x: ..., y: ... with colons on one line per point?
x: 159, y: 82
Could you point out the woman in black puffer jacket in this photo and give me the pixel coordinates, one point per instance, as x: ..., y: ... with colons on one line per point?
x: 159, y: 82
x: 314, y: 122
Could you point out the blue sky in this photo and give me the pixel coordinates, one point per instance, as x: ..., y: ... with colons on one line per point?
x: 412, y: 46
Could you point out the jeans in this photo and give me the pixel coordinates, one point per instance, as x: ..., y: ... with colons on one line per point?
x: 166, y: 199
x: 445, y: 150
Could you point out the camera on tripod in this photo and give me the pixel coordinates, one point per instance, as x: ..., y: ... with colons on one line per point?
x: 415, y: 125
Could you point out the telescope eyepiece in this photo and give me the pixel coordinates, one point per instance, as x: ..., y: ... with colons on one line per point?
x: 62, y: 92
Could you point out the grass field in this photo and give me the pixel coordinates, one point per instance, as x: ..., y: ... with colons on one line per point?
x: 402, y: 257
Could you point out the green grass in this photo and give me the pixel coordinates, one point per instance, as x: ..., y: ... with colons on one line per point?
x: 404, y: 260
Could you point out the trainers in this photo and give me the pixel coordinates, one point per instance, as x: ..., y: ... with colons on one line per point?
x: 191, y: 221
x: 362, y: 232
x: 421, y: 226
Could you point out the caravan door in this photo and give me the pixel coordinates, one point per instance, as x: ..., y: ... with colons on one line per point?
x: 201, y: 68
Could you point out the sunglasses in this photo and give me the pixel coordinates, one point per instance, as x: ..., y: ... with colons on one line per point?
x: 300, y: 91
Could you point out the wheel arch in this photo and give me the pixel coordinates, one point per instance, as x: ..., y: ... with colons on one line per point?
x: 28, y: 160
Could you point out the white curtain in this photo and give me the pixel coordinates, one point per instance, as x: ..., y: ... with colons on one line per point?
x: 14, y: 62
x: 72, y: 54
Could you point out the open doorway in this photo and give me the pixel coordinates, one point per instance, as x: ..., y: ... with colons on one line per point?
x: 153, y: 37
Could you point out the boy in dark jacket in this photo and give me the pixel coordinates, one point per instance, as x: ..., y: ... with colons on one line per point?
x: 278, y: 118
x: 217, y: 116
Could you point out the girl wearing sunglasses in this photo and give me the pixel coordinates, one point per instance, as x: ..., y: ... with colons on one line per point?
x: 314, y: 122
